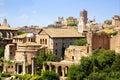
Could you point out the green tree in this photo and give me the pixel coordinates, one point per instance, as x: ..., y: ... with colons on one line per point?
x: 1, y: 52
x: 19, y: 32
x: 49, y: 75
x: 72, y: 24
x: 43, y: 57
x: 102, y: 65
x: 116, y: 63
x: 81, y: 42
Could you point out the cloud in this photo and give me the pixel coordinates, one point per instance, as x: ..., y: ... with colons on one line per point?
x: 3, y: 15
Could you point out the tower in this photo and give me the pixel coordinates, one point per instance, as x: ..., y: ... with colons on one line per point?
x: 5, y: 23
x: 82, y: 21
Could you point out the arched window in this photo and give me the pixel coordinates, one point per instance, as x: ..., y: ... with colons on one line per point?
x: 45, y: 41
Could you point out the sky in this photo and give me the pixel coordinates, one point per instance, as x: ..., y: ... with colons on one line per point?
x: 45, y: 12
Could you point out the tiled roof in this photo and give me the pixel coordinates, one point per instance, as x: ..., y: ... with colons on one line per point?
x: 6, y: 28
x: 57, y: 33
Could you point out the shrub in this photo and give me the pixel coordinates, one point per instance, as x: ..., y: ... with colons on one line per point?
x: 5, y: 74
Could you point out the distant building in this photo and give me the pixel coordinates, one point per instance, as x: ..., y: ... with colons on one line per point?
x: 116, y: 20
x: 71, y: 20
x: 31, y: 29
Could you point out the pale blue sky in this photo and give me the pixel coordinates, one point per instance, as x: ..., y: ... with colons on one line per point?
x: 44, y: 12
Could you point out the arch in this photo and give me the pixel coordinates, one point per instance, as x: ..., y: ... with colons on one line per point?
x: 46, y: 67
x: 53, y: 67
x: 46, y: 41
x: 60, y: 70
x: 66, y: 70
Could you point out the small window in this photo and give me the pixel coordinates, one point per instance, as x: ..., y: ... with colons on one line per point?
x: 56, y: 51
x: 56, y: 44
x: 72, y: 57
x: 8, y: 66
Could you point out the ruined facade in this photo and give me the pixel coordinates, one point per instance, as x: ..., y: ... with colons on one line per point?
x: 22, y: 54
x: 116, y: 20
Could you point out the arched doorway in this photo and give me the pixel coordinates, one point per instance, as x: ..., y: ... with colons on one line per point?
x: 60, y: 70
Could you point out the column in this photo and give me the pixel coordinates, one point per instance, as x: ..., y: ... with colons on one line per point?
x: 50, y: 68
x: 32, y: 66
x: 63, y: 72
x: 24, y: 64
x: 56, y: 69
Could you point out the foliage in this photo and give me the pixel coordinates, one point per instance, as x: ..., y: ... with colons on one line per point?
x: 81, y: 42
x: 43, y: 57
x: 4, y: 74
x: 9, y: 62
x: 72, y: 24
x: 49, y: 75
x: 102, y: 65
x: 25, y: 76
x: 113, y: 33
x: 19, y: 32
x: 36, y: 77
x: 1, y: 52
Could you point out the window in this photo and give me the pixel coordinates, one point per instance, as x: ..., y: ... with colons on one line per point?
x: 40, y: 41
x: 56, y: 51
x: 56, y: 44
x: 45, y: 41
x: 72, y: 57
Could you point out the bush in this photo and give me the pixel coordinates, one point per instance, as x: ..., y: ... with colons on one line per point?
x: 5, y: 74
x: 36, y: 77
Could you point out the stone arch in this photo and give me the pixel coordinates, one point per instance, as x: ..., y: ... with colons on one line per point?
x: 53, y: 67
x: 66, y: 70
x: 46, y: 67
x: 60, y: 70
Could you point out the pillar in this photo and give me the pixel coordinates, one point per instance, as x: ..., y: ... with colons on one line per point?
x: 63, y: 72
x: 56, y: 69
x: 24, y: 64
x: 32, y: 66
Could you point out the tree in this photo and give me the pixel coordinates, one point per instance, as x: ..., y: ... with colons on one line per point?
x: 43, y: 57
x: 81, y: 42
x: 72, y: 24
x: 49, y: 75
x: 1, y: 52
x: 19, y: 32
x: 116, y: 63
x: 102, y: 65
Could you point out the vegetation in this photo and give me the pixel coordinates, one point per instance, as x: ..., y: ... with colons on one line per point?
x: 102, y: 65
x: 49, y: 75
x: 72, y: 24
x: 20, y: 32
x: 113, y: 33
x: 81, y: 42
x: 43, y: 57
x: 1, y: 52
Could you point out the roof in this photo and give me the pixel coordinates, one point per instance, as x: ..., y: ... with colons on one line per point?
x: 2, y: 27
x: 59, y: 33
x: 25, y: 35
x: 21, y: 36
